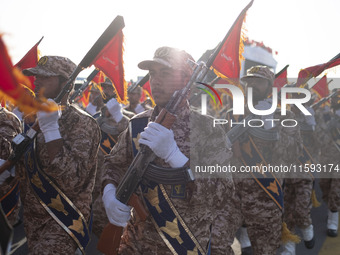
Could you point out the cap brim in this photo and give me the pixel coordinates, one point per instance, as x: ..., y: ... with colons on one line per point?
x: 148, y: 64
x: 38, y: 71
x: 244, y: 78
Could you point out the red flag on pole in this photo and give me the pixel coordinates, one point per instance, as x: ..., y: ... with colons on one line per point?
x: 11, y: 89
x: 110, y: 62
x: 321, y: 88
x: 147, y: 92
x: 314, y: 71
x: 281, y: 78
x: 227, y: 63
x: 30, y: 60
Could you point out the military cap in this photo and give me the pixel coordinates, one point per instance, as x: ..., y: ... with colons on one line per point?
x: 170, y: 57
x: 260, y: 72
x: 52, y: 66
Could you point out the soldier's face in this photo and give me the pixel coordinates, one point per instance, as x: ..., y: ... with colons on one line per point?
x: 134, y: 97
x: 47, y: 86
x: 164, y: 81
x: 261, y: 88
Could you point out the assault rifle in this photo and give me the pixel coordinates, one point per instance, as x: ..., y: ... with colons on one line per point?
x: 22, y: 141
x: 109, y: 240
x: 82, y: 88
x: 324, y: 99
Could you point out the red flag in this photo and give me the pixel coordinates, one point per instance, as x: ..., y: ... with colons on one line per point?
x: 281, y: 78
x: 110, y: 62
x: 321, y: 88
x: 314, y: 71
x: 99, y: 78
x: 85, y: 99
x: 30, y: 60
x: 227, y: 63
x: 10, y: 88
x: 147, y: 92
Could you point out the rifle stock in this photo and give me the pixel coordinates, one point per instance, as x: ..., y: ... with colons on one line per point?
x: 109, y: 240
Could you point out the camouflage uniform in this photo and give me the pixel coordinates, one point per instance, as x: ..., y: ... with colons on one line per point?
x: 72, y: 169
x: 109, y: 126
x: 329, y: 154
x: 208, y: 200
x: 257, y: 211
x: 298, y: 191
x: 10, y: 126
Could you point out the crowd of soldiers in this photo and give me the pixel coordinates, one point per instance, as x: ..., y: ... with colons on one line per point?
x: 69, y: 177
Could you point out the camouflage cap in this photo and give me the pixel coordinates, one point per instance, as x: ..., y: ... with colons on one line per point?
x: 261, y: 72
x: 170, y: 57
x: 52, y: 66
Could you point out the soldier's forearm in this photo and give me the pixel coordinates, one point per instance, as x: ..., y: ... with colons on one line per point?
x: 53, y: 148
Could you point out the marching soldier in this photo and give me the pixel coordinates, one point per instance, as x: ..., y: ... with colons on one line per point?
x: 134, y: 95
x: 185, y: 217
x: 260, y: 194
x: 60, y: 167
x: 328, y: 124
x: 298, y: 191
x: 112, y: 120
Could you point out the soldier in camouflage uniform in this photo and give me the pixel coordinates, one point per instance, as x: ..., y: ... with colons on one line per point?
x: 112, y: 120
x: 205, y: 201
x: 134, y: 95
x: 258, y: 211
x: 298, y: 191
x: 328, y: 124
x: 10, y: 126
x: 66, y: 147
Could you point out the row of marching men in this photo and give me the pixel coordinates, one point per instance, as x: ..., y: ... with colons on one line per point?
x: 70, y: 173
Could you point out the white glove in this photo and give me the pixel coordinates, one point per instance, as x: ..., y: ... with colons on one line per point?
x: 117, y: 212
x: 91, y: 109
x: 265, y: 105
x: 114, y: 109
x: 161, y: 141
x: 4, y: 175
x: 139, y: 109
x: 18, y: 113
x: 48, y: 123
x: 310, y: 120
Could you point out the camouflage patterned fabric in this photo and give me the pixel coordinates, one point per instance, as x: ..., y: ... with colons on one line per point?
x: 10, y: 126
x: 73, y: 171
x: 52, y: 66
x: 298, y: 191
x: 110, y: 126
x: 257, y: 210
x: 208, y: 200
x: 330, y: 187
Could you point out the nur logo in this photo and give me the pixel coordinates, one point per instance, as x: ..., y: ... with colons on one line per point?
x: 209, y: 93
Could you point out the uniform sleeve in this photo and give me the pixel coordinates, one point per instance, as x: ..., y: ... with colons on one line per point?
x: 118, y: 161
x: 290, y: 145
x: 9, y: 128
x: 78, y: 155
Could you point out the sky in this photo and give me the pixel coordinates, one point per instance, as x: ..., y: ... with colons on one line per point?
x: 303, y: 32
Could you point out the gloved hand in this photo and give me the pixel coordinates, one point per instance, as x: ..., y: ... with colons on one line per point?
x: 4, y: 175
x: 161, y: 141
x: 117, y: 212
x: 91, y: 109
x: 48, y: 123
x: 114, y: 109
x: 18, y: 113
x: 310, y: 120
